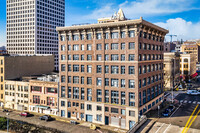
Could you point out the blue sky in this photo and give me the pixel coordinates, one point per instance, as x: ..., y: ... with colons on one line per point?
x: 181, y: 17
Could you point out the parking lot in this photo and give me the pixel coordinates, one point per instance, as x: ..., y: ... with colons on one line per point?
x: 62, y: 126
x: 178, y: 120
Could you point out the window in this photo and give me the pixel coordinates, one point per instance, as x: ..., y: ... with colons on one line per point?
x: 107, y: 35
x: 69, y: 57
x: 69, y: 104
x: 99, y: 96
x: 69, y: 68
x: 62, y: 78
x: 69, y: 92
x: 75, y: 37
x: 89, y: 36
x: 115, y: 97
x: 89, y: 107
x: 144, y: 46
x: 114, y: 57
x: 89, y: 57
x: 51, y: 101
x: 106, y: 57
x: 76, y: 79
x: 144, y: 69
x: 63, y: 57
x: 62, y: 67
x: 123, y: 57
x: 123, y: 111
x: 106, y: 69
x: 89, y: 94
x: 123, y: 98
x: 123, y: 83
x: 107, y: 96
x: 89, y: 47
x: 123, y: 35
x: 89, y: 80
x: 106, y: 46
x: 62, y: 91
x: 131, y: 57
x: 114, y: 82
x: 75, y: 93
x: 131, y: 45
x: 76, y: 47
x: 99, y: 57
x: 114, y: 110
x: 114, y: 69
x: 114, y: 46
x: 82, y: 94
x: 82, y: 80
x: 69, y: 79
x: 82, y: 36
x: 89, y: 68
x: 75, y: 68
x: 82, y: 57
x: 144, y: 96
x: 144, y: 82
x: 82, y: 105
x: 62, y: 38
x: 114, y: 35
x: 99, y: 117
x: 132, y: 33
x: 98, y: 35
x: 122, y: 69
x: 149, y: 80
x: 99, y: 108
x: 106, y: 81
x: 99, y: 69
x: 69, y: 48
x: 82, y: 47
x: 99, y: 82
x: 123, y: 46
x: 132, y: 113
x: 36, y: 99
x: 131, y: 99
x: 62, y: 47
x: 99, y: 47
x: 131, y: 83
x: 131, y: 70
x: 82, y: 68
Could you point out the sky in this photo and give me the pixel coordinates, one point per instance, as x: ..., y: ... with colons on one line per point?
x: 180, y: 17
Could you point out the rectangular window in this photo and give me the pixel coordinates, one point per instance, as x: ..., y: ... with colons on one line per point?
x: 89, y: 80
x: 132, y: 113
x: 107, y: 96
x: 75, y: 68
x: 123, y: 35
x: 106, y: 46
x: 99, y: 69
x: 114, y: 46
x: 131, y: 70
x: 82, y: 106
x: 131, y: 99
x: 99, y: 47
x: 82, y: 80
x: 114, y: 57
x: 114, y: 69
x: 106, y: 81
x: 82, y: 47
x: 99, y: 95
x: 99, y: 57
x: 89, y: 94
x: 114, y: 110
x: 122, y: 69
x: 131, y: 83
x: 89, y: 36
x: 106, y: 57
x: 69, y: 92
x: 82, y: 94
x: 62, y: 67
x: 99, y: 82
x: 131, y: 45
x: 75, y: 37
x: 123, y: 98
x: 89, y: 68
x: 69, y: 57
x: 76, y: 57
x: 75, y: 93
x: 89, y: 57
x: 82, y: 68
x: 62, y: 91
x: 123, y: 83
x: 62, y: 78
x: 69, y: 68
x: 123, y: 57
x: 63, y: 57
x: 98, y: 36
x: 76, y: 47
x: 89, y: 47
x: 106, y: 69
x: 107, y: 35
x: 69, y: 47
x: 62, y: 38
x: 123, y: 46
x: 82, y: 57
x: 115, y: 97
x: 62, y: 47
x: 114, y: 82
x: 132, y: 33
x: 36, y: 99
x: 82, y: 37
x: 69, y: 79
x: 99, y: 117
x: 89, y: 107
x: 131, y: 57
x: 76, y: 79
x: 114, y: 35
x: 123, y: 111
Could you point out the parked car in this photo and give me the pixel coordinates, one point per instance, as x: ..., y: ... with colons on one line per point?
x: 171, y: 108
x: 45, y: 117
x: 26, y: 114
x: 5, y: 110
x: 193, y: 92
x: 166, y: 113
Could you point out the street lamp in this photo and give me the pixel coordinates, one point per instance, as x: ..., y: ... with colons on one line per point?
x: 7, y: 121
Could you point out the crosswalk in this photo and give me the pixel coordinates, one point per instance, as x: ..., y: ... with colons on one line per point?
x: 186, y: 101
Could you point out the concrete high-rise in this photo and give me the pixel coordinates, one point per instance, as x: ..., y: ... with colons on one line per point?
x: 31, y: 26
x: 111, y: 73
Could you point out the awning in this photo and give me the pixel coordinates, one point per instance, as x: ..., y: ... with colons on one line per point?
x: 194, y: 75
x: 42, y: 107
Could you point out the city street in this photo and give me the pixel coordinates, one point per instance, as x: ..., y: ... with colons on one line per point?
x: 177, y: 121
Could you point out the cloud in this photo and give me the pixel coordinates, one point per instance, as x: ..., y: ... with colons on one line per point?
x: 135, y: 9
x: 185, y: 30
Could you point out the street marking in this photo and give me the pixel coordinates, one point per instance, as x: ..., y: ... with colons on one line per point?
x: 167, y: 128
x: 181, y: 101
x: 190, y: 118
x: 198, y: 102
x: 175, y: 111
x: 192, y: 121
x: 189, y: 101
x: 160, y: 127
x: 194, y: 102
x: 185, y: 101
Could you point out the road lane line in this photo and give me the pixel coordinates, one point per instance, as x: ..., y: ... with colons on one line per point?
x: 167, y: 128
x: 175, y: 111
x: 181, y: 101
x: 189, y: 101
x: 160, y: 127
x: 192, y: 121
x: 198, y: 102
x: 194, y: 102
x: 190, y: 118
x: 185, y: 101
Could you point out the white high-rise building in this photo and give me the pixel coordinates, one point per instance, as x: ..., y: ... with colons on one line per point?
x: 31, y: 26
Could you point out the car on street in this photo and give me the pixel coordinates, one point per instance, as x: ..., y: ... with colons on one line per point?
x: 193, y: 92
x: 5, y: 110
x: 25, y: 114
x: 166, y: 113
x: 171, y: 108
x: 46, y: 117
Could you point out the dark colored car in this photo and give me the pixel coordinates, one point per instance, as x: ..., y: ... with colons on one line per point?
x: 166, y: 113
x: 171, y: 108
x: 5, y: 110
x: 26, y: 114
x: 46, y: 117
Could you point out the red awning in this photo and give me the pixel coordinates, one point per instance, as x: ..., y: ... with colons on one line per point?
x: 194, y: 75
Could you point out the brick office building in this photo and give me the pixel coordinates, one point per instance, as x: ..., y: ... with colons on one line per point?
x: 112, y: 72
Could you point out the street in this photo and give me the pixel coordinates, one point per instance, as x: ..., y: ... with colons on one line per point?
x: 181, y: 117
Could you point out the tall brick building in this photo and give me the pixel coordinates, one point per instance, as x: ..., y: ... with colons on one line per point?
x: 112, y: 72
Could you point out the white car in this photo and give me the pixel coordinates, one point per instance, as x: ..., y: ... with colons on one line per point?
x: 193, y: 92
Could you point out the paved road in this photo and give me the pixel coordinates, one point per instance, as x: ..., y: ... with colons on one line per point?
x: 178, y: 120
x: 62, y: 126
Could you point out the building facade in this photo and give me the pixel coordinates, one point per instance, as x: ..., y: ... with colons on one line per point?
x: 13, y: 67
x: 111, y: 73
x: 17, y: 95
x: 44, y: 95
x: 187, y: 64
x: 31, y: 26
x: 171, y: 69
